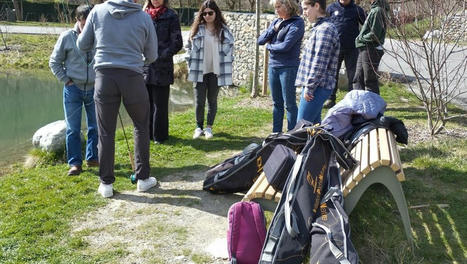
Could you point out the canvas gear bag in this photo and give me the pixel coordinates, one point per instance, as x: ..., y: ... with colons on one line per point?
x: 278, y: 166
x: 288, y: 237
x: 330, y: 234
x: 237, y: 174
x: 246, y: 233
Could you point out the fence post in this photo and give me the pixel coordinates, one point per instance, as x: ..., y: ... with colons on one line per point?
x: 264, y: 92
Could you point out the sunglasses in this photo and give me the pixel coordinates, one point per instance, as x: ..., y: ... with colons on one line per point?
x: 209, y: 13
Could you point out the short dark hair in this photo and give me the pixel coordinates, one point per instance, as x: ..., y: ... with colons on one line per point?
x: 82, y: 11
x: 322, y: 4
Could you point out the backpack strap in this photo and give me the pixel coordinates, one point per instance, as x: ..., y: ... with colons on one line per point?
x: 237, y: 212
x: 258, y: 217
x: 290, y: 220
x: 334, y: 249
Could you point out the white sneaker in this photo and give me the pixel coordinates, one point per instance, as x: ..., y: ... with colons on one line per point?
x: 144, y: 185
x: 208, y: 133
x: 198, y: 133
x: 106, y: 190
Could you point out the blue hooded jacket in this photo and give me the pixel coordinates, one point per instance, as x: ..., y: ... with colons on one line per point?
x: 346, y: 19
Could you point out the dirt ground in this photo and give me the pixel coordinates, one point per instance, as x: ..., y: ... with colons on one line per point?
x: 177, y: 222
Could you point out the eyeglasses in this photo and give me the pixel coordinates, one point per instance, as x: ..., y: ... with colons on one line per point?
x: 209, y: 13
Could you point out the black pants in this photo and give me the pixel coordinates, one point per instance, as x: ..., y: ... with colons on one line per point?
x: 349, y: 56
x: 112, y: 85
x: 210, y: 89
x: 366, y: 75
x: 159, y: 112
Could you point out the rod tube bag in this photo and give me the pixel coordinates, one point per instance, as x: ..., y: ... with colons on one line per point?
x: 278, y: 166
x: 246, y: 233
x: 330, y: 233
x: 288, y: 237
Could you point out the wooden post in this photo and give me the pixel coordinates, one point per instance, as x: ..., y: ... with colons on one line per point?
x: 264, y: 92
x: 254, y: 89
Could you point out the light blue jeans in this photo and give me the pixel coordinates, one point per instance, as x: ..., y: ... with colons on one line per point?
x: 311, y: 111
x: 282, y: 83
x: 73, y: 100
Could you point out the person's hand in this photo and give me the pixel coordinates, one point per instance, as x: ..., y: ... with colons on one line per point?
x: 308, y: 97
x: 70, y: 82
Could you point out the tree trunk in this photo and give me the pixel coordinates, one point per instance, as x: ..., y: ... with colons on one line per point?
x: 254, y: 88
x: 18, y: 4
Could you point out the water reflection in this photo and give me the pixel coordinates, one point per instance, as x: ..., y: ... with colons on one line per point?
x: 31, y: 100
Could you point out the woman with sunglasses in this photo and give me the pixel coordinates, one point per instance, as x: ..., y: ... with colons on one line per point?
x: 160, y: 74
x: 210, y: 49
x: 283, y: 39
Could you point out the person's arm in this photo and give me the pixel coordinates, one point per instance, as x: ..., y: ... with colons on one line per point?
x: 176, y: 41
x: 294, y: 34
x: 150, y: 45
x: 57, y: 59
x: 325, y: 43
x: 268, y: 34
x: 86, y: 39
x: 376, y: 26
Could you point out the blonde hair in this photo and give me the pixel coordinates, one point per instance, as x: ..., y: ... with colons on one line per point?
x: 292, y: 6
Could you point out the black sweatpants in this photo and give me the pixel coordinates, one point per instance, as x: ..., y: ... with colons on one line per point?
x: 159, y: 112
x: 366, y: 75
x: 111, y: 87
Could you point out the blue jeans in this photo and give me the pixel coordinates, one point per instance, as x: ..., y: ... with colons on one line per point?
x: 282, y: 83
x: 73, y: 100
x: 311, y: 111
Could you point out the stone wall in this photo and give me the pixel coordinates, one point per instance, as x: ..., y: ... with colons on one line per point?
x: 243, y: 28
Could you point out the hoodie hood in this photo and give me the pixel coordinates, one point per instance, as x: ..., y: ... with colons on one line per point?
x: 122, y: 8
x: 381, y: 3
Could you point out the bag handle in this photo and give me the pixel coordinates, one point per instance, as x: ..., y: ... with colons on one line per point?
x: 334, y: 249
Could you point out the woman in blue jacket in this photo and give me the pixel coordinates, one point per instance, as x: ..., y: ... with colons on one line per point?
x: 159, y: 75
x: 284, y: 38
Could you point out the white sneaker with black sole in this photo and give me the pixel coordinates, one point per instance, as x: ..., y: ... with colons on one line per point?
x: 106, y: 190
x: 144, y: 185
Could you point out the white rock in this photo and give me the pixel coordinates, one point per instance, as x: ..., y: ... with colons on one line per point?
x: 51, y: 137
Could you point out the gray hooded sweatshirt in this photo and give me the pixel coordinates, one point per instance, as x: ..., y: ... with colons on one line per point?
x: 123, y: 35
x: 67, y: 62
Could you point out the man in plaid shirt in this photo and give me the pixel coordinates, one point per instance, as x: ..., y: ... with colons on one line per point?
x: 318, y: 66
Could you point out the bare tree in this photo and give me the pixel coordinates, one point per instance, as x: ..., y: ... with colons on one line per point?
x: 430, y: 50
x: 18, y: 4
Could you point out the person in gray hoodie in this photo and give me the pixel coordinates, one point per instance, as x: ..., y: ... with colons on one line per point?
x: 73, y: 67
x: 125, y: 39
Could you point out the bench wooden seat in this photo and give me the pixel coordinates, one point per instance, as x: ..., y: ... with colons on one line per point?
x: 378, y: 162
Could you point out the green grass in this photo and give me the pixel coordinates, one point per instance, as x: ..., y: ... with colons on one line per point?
x: 27, y: 51
x: 37, y: 24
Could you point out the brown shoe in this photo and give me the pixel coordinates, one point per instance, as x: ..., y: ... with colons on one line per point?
x: 74, y: 170
x: 92, y: 163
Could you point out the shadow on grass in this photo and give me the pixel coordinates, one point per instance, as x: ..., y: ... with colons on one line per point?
x: 378, y: 234
x: 414, y: 113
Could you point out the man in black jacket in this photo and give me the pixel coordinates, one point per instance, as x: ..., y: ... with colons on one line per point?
x: 346, y: 16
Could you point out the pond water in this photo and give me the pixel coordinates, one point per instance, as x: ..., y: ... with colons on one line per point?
x: 29, y: 101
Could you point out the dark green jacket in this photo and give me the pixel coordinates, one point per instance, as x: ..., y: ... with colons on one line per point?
x: 373, y: 31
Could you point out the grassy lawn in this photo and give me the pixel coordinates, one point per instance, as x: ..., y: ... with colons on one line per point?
x: 38, y: 204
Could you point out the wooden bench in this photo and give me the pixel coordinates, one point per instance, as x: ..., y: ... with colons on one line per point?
x: 378, y: 162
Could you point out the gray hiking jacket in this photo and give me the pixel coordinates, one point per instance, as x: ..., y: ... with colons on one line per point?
x: 123, y: 35
x: 67, y: 62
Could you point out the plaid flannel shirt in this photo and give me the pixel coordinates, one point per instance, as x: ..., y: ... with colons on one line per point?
x: 318, y: 66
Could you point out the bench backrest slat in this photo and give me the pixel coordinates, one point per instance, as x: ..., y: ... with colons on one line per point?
x: 385, y: 154
x: 374, y: 149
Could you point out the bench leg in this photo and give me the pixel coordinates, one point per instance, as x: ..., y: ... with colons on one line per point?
x: 385, y: 176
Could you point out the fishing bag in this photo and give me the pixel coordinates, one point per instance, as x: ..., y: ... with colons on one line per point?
x: 278, y: 166
x: 288, y: 237
x: 237, y: 174
x: 330, y: 233
x: 246, y: 233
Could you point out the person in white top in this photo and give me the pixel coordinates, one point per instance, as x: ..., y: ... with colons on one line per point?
x: 210, y: 59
